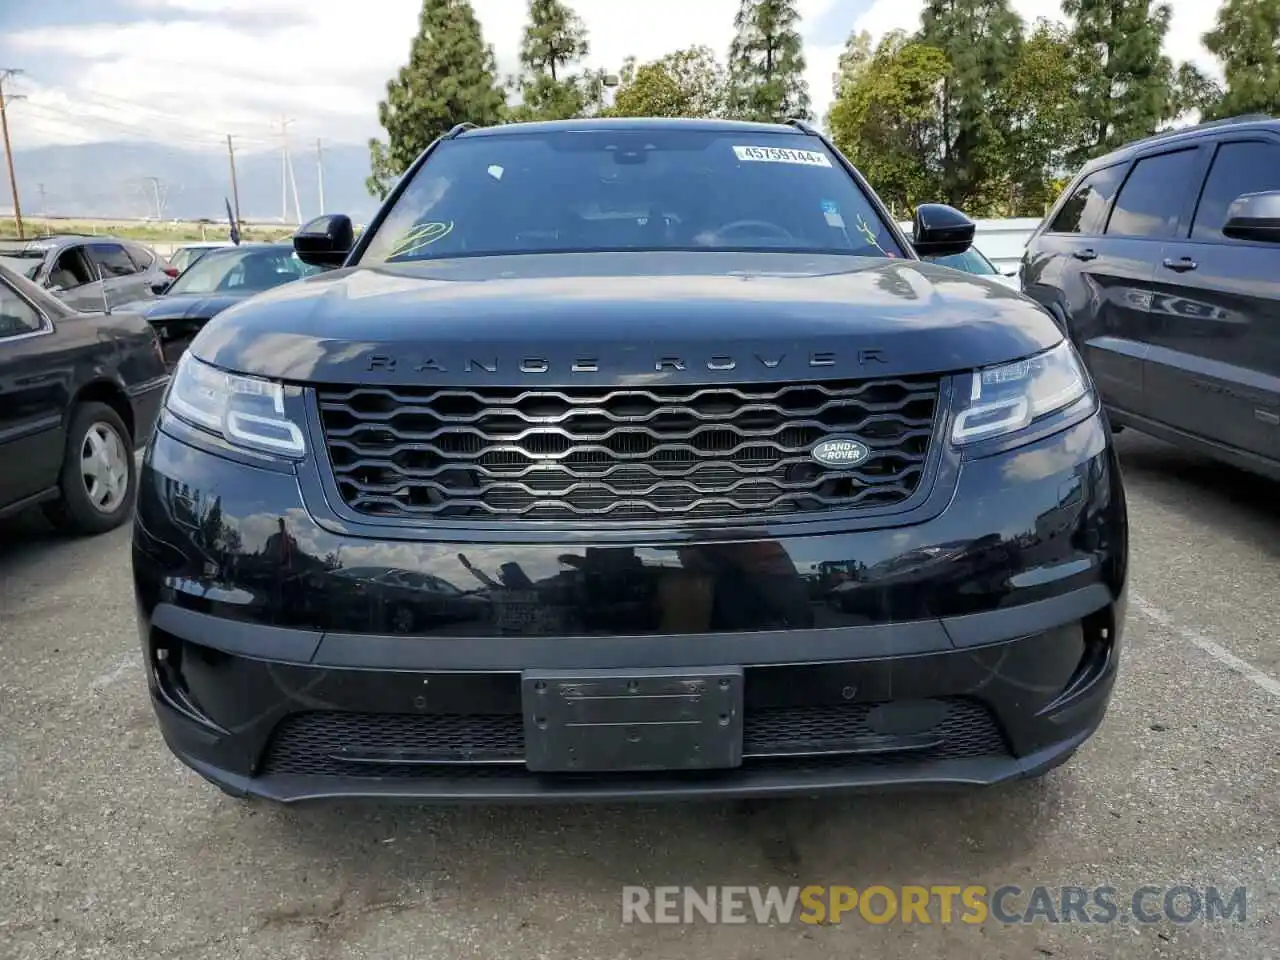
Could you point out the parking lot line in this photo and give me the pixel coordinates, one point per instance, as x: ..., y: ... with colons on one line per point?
x: 1212, y: 648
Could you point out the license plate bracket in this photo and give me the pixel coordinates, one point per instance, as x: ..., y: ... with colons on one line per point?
x: 594, y: 721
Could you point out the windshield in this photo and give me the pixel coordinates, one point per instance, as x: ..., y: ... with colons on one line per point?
x: 24, y: 266
x: 241, y: 271
x: 971, y: 261
x: 654, y: 189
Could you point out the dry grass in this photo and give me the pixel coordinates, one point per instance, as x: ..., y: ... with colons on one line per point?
x: 154, y: 231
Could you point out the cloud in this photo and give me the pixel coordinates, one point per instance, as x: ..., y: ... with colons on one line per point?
x: 189, y: 72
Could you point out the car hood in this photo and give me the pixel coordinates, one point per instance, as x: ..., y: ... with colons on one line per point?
x: 630, y: 318
x: 187, y: 306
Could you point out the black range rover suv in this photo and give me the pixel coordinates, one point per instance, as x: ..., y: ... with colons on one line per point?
x: 629, y: 458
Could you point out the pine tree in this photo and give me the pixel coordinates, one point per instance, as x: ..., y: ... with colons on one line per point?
x: 449, y: 79
x: 1246, y: 39
x: 853, y: 60
x: 766, y: 63
x: 1127, y: 84
x: 982, y: 41
x: 554, y: 38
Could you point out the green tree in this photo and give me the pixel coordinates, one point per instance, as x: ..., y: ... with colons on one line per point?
x: 766, y: 63
x: 686, y: 83
x: 1193, y: 90
x: 449, y: 79
x: 1246, y: 39
x: 886, y: 121
x: 981, y: 40
x: 554, y: 39
x: 1037, y: 109
x: 1126, y: 84
x: 853, y: 60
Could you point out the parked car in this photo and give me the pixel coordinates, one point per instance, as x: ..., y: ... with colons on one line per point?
x: 88, y: 272
x: 634, y: 383
x: 79, y: 392
x: 973, y: 261
x: 1161, y: 260
x: 185, y: 256
x: 219, y: 279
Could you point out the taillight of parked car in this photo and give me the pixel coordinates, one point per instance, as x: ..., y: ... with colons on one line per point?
x: 171, y: 271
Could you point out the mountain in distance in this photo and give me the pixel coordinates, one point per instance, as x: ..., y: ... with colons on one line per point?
x: 111, y: 179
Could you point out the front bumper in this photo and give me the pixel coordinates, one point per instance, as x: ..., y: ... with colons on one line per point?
x: 293, y: 659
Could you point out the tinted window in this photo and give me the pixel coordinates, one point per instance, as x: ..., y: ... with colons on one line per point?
x: 141, y: 257
x: 113, y: 260
x: 1238, y: 168
x: 16, y: 315
x: 1151, y: 200
x: 629, y: 189
x: 1086, y: 208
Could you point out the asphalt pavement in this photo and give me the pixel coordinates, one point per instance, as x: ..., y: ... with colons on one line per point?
x: 110, y: 849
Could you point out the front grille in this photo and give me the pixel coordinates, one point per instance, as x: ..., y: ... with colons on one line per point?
x: 717, y: 452
x: 330, y: 743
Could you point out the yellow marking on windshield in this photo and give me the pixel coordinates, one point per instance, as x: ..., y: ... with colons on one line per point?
x: 423, y: 235
x: 865, y: 229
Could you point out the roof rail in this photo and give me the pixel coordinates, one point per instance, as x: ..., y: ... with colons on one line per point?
x: 459, y: 129
x: 802, y: 125
x: 1194, y: 128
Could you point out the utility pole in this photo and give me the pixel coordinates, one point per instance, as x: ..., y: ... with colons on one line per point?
x: 155, y: 190
x: 320, y: 172
x: 286, y: 175
x: 235, y: 188
x: 5, y: 74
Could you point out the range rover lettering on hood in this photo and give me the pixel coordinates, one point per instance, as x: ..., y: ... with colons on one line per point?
x: 533, y: 364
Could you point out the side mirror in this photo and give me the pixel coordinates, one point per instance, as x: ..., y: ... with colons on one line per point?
x: 941, y: 231
x: 1254, y: 216
x: 325, y: 241
x: 160, y: 286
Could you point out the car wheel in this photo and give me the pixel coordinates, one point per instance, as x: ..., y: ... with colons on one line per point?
x: 99, y: 473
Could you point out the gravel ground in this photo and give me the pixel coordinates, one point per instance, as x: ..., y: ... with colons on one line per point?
x: 111, y: 849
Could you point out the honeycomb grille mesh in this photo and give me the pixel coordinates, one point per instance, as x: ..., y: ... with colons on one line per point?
x: 718, y: 452
x: 332, y: 743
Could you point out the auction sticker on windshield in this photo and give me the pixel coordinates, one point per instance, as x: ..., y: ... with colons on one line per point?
x: 808, y: 158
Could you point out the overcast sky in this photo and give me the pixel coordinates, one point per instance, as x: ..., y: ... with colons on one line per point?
x: 188, y: 72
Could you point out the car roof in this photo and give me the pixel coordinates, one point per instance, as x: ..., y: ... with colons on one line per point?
x: 1254, y: 121
x: 57, y: 241
x: 590, y: 124
x: 232, y: 248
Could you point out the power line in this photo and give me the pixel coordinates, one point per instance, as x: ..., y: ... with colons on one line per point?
x: 5, y: 74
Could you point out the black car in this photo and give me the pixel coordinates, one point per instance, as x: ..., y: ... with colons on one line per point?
x: 79, y: 393
x: 1161, y: 260
x: 88, y: 273
x: 215, y: 281
x: 645, y: 392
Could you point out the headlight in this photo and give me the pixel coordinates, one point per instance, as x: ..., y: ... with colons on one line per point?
x: 1008, y: 398
x: 246, y: 411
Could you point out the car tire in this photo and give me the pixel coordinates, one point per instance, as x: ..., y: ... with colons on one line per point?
x: 99, y: 474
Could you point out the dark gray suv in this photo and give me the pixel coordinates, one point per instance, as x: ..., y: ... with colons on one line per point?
x: 1162, y: 261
